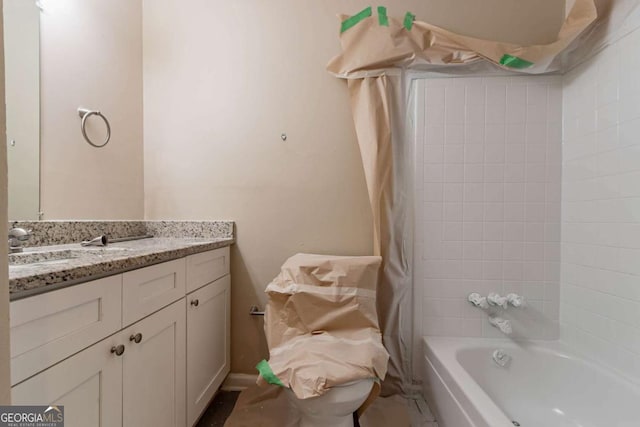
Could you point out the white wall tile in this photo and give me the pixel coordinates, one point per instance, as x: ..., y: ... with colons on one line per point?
x: 453, y: 172
x: 494, y: 173
x: 474, y: 172
x: 600, y: 272
x: 494, y: 153
x: 513, y: 212
x: 514, y: 171
x: 491, y: 172
x: 474, y: 133
x: 495, y: 133
x: 453, y: 153
x: 473, y: 211
x: 454, y: 133
x: 515, y: 133
x: 515, y: 154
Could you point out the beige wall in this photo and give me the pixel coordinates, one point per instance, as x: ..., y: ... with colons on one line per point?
x: 515, y: 21
x: 223, y: 80
x: 91, y: 57
x: 5, y: 397
x: 22, y: 84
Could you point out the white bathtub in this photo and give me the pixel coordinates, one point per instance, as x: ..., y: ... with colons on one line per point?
x: 545, y: 385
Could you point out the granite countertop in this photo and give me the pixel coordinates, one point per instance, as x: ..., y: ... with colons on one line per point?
x: 79, y: 264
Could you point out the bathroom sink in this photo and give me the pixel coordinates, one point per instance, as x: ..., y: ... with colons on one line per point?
x: 41, y: 257
x: 48, y: 257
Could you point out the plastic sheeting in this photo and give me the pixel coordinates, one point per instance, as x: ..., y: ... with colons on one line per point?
x: 377, y: 51
x: 321, y: 324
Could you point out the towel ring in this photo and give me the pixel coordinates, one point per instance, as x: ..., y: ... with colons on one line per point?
x: 85, y: 114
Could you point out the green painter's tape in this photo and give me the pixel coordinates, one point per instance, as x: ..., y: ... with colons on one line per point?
x: 350, y: 22
x: 514, y: 62
x: 383, y: 19
x: 408, y: 20
x: 266, y: 373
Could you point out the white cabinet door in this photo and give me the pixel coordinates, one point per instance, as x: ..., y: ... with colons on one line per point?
x: 208, y: 344
x: 50, y: 327
x: 148, y: 289
x: 154, y: 370
x: 89, y: 385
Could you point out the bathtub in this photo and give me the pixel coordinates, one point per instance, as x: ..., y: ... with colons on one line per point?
x: 544, y: 385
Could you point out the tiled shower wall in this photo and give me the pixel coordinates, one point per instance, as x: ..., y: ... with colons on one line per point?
x: 488, y: 202
x: 600, y: 308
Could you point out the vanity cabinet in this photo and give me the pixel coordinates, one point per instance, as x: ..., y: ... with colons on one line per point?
x: 119, y: 351
x: 134, y: 378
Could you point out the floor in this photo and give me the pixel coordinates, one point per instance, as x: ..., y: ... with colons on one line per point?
x: 420, y: 414
x: 220, y: 408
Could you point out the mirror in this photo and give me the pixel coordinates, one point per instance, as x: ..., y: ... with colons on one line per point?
x: 63, y: 55
x: 22, y: 86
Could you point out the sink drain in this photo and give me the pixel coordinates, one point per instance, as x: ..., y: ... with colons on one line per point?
x: 515, y: 423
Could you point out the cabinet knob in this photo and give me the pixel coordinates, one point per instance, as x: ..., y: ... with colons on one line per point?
x: 136, y: 338
x: 117, y: 350
x: 195, y: 302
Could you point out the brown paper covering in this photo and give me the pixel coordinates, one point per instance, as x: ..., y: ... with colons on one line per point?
x: 368, y: 46
x: 321, y: 323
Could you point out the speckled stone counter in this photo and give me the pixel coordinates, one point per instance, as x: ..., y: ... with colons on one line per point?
x: 178, y: 239
x: 63, y: 232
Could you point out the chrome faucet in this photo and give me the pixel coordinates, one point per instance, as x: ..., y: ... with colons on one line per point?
x: 477, y: 300
x: 502, y: 324
x: 17, y: 236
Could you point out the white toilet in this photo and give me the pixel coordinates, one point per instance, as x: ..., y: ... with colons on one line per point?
x: 335, y: 408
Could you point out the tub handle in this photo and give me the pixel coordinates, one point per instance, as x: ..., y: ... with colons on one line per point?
x: 515, y: 300
x: 477, y: 300
x: 496, y: 299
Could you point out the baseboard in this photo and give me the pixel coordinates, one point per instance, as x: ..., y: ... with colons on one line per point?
x: 238, y: 382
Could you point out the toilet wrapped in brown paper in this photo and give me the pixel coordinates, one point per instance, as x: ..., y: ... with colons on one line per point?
x: 321, y: 324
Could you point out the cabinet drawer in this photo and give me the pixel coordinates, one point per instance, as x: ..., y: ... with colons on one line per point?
x: 50, y: 327
x: 148, y: 289
x: 206, y: 267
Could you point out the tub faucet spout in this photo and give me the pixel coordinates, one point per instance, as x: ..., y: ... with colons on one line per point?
x: 502, y: 324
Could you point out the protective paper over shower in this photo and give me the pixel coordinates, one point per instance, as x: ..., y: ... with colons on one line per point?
x: 372, y: 43
x: 377, y: 50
